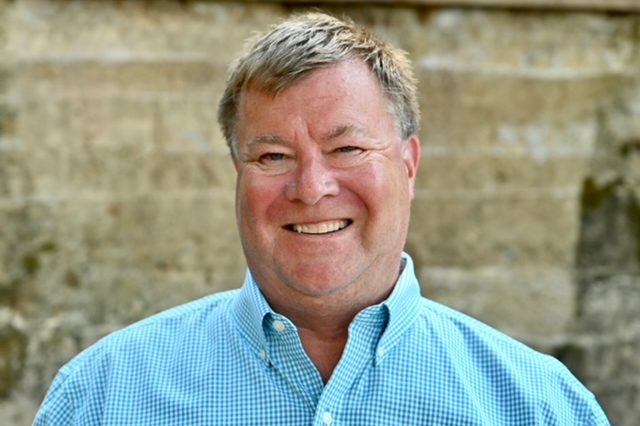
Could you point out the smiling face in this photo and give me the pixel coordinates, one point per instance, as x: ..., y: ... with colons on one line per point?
x: 324, y: 187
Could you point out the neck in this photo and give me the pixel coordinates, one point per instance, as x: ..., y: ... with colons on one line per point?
x: 323, y: 321
x: 323, y: 325
x: 323, y: 331
x: 324, y: 348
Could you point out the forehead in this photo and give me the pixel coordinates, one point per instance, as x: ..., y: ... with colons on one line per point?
x: 345, y: 95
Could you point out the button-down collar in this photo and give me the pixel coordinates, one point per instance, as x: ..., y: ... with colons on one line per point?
x: 391, y: 318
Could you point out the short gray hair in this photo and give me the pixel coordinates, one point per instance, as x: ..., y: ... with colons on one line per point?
x: 290, y: 50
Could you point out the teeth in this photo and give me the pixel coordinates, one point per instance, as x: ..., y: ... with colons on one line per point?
x: 321, y: 228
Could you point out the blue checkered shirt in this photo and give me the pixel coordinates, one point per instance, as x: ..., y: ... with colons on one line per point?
x: 229, y: 359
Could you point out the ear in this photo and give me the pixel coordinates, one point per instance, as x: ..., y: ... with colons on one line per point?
x: 233, y: 154
x: 411, y: 157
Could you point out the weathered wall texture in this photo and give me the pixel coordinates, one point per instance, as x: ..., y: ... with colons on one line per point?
x: 116, y: 192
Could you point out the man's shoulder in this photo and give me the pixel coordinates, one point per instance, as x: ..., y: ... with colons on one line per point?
x: 479, y: 337
x: 207, y: 305
x: 491, y: 360
x: 140, y: 357
x: 160, y: 334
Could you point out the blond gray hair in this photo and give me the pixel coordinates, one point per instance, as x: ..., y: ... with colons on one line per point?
x: 290, y: 50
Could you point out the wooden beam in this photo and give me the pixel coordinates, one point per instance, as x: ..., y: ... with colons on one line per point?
x: 600, y: 5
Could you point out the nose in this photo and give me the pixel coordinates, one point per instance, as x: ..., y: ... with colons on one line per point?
x: 313, y: 180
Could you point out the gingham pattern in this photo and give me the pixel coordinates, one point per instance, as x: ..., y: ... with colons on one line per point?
x: 228, y: 359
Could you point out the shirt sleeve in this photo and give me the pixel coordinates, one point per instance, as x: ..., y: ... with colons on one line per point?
x: 57, y: 408
x: 598, y: 417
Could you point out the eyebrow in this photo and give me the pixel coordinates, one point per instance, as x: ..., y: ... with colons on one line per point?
x: 334, y: 133
x: 346, y: 130
x: 268, y: 138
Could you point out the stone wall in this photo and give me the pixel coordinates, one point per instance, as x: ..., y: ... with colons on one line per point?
x: 116, y: 191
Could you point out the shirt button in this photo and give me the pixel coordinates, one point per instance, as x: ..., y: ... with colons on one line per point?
x: 263, y: 355
x: 327, y: 418
x: 278, y: 326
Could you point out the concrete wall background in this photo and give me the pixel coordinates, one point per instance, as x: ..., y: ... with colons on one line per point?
x: 116, y: 192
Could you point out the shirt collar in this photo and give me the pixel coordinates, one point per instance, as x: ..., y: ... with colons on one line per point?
x: 249, y: 311
x: 403, y: 305
x: 399, y: 310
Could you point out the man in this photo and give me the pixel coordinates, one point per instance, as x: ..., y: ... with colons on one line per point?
x: 329, y: 327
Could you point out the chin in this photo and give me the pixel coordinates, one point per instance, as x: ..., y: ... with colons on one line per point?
x: 317, y: 281
x: 319, y: 290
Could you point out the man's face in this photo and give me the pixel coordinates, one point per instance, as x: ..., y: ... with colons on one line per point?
x: 324, y: 185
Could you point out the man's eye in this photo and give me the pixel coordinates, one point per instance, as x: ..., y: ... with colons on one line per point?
x: 272, y: 157
x: 348, y: 149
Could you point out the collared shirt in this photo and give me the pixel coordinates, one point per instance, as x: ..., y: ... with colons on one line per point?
x: 229, y: 359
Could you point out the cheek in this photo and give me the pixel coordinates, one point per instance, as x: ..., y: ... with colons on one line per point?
x: 257, y: 199
x: 381, y: 184
x: 386, y: 194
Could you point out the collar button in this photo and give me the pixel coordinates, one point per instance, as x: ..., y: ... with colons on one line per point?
x: 278, y: 326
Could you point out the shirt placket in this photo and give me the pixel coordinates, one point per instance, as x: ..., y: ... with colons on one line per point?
x: 359, y: 353
x: 288, y: 359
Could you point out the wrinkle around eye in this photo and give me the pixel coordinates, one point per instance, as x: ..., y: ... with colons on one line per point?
x: 274, y: 162
x: 348, y: 156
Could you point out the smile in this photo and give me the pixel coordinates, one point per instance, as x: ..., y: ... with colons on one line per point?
x: 320, y: 228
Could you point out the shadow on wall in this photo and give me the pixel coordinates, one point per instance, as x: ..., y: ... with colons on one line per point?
x: 605, y: 355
